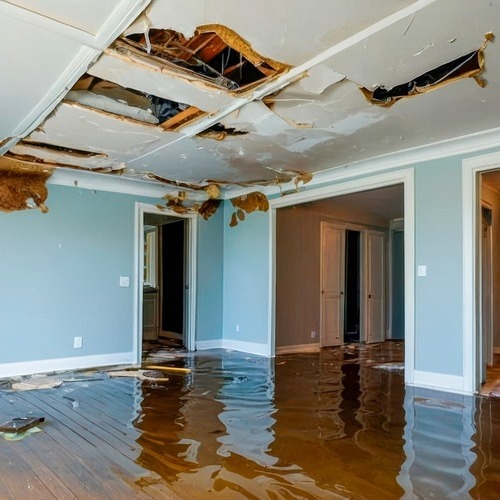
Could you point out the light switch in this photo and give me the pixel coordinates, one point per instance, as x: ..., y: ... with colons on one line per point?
x: 124, y: 281
x: 421, y: 271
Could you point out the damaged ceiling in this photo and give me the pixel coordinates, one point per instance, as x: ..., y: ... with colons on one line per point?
x: 202, y: 96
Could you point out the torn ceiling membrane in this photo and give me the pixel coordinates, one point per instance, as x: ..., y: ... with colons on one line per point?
x: 239, y: 95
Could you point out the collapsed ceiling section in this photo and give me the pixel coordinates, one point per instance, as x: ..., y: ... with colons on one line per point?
x: 211, y: 99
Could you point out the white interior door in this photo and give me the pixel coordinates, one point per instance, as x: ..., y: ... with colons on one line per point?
x: 375, y: 286
x: 332, y: 284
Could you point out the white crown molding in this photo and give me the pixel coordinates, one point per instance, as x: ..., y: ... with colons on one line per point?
x: 107, y: 182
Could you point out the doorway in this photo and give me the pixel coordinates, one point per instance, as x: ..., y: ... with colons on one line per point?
x: 352, y: 285
x: 331, y: 269
x: 488, y: 245
x: 352, y: 306
x: 166, y: 257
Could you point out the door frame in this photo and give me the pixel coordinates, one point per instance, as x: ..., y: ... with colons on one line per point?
x: 349, y: 186
x: 191, y: 252
x: 471, y: 225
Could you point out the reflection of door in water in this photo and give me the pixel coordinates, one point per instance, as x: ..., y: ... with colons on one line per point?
x: 173, y: 280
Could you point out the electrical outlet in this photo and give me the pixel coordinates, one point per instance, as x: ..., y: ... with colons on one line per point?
x: 313, y: 334
x: 237, y: 328
x: 78, y: 342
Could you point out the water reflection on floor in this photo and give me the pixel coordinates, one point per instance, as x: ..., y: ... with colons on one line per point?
x: 329, y: 425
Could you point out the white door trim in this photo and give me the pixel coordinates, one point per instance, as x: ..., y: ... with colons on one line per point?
x: 403, y: 176
x: 191, y: 249
x: 471, y: 167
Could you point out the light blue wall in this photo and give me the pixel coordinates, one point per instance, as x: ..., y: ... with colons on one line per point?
x: 210, y: 277
x: 60, y: 275
x: 246, y: 277
x: 438, y: 245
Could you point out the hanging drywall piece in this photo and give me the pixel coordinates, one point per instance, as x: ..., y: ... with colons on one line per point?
x: 470, y: 65
x: 64, y: 157
x: 22, y: 185
x: 246, y: 204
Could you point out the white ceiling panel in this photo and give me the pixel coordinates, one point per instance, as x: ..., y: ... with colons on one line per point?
x: 88, y: 15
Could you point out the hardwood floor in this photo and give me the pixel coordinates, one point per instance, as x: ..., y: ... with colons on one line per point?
x: 87, y: 448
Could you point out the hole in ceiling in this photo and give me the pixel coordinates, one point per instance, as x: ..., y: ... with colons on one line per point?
x: 470, y: 65
x: 219, y: 132
x: 110, y: 97
x: 77, y: 153
x: 215, y: 53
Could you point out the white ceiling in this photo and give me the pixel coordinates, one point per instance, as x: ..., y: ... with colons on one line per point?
x: 310, y: 118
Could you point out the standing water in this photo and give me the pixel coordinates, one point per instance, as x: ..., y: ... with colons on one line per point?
x: 335, y: 424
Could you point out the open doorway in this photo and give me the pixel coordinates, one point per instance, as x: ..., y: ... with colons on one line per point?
x: 332, y: 262
x: 352, y: 313
x: 164, y: 279
x: 488, y: 247
x: 166, y: 265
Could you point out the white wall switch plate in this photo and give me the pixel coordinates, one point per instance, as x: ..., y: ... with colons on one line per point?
x: 78, y: 342
x: 421, y: 271
x: 124, y: 281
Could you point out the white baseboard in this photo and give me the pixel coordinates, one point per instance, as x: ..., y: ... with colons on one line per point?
x: 234, y: 345
x: 438, y: 382
x: 249, y: 347
x: 209, y: 344
x: 291, y: 349
x: 62, y: 364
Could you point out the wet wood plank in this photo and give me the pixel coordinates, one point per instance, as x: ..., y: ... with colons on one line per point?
x: 87, y: 451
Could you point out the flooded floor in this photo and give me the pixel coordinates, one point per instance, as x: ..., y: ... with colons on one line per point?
x: 334, y: 424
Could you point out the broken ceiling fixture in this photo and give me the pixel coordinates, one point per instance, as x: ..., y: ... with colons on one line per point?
x: 246, y: 204
x: 215, y: 53
x: 22, y: 185
x: 470, y: 65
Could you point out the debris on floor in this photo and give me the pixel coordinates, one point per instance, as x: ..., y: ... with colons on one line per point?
x: 20, y: 427
x: 173, y: 369
x: 392, y: 367
x: 13, y: 436
x: 36, y: 382
x: 153, y: 375
x: 43, y: 381
x: 495, y: 392
x: 20, y: 424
